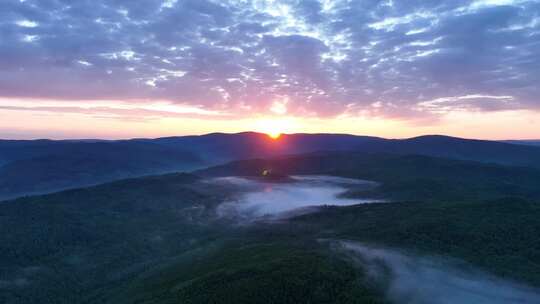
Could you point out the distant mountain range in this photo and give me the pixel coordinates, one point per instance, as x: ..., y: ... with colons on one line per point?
x: 218, y: 147
x: 34, y: 167
x: 524, y: 142
x: 40, y: 166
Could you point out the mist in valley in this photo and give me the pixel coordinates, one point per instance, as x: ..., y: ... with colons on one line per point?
x: 404, y: 278
x: 412, y: 279
x: 298, y: 194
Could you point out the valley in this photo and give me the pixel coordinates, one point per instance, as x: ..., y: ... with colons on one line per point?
x: 235, y: 233
x: 269, y: 152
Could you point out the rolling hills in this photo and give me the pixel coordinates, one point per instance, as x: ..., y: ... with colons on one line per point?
x: 47, y: 166
x: 402, y: 177
x: 41, y: 166
x: 159, y: 240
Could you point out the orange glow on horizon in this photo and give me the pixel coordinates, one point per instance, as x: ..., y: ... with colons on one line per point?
x: 274, y: 135
x: 275, y: 127
x: 63, y: 123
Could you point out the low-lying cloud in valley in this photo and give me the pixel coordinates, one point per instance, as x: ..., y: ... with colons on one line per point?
x: 420, y: 280
x: 299, y: 194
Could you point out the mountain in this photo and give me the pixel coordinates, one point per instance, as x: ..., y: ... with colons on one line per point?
x: 40, y: 166
x: 402, y: 177
x: 219, y: 147
x: 33, y: 167
x: 523, y: 142
x: 160, y: 239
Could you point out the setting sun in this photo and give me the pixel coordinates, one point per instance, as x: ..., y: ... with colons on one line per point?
x: 273, y: 135
x: 274, y: 128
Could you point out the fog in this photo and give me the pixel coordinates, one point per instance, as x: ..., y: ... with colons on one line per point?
x: 295, y: 195
x: 422, y: 280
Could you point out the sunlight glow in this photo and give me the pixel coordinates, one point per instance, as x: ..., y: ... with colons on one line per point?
x: 21, y: 120
x: 274, y: 135
x: 274, y: 127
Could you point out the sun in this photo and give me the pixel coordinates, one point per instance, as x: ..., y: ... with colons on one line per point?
x: 274, y: 128
x: 274, y: 134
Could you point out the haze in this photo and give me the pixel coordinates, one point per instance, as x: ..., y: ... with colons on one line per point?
x: 423, y: 280
x: 273, y: 199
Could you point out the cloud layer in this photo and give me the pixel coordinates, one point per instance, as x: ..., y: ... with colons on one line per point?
x: 300, y: 194
x: 421, y: 280
x: 305, y: 58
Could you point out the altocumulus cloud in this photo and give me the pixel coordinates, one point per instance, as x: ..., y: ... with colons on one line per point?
x: 324, y: 58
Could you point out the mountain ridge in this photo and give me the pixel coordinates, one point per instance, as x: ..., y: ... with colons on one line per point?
x: 51, y: 165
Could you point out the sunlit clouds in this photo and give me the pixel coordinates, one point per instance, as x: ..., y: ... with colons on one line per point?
x: 416, y: 65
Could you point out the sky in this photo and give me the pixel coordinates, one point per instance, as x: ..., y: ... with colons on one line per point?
x: 150, y: 68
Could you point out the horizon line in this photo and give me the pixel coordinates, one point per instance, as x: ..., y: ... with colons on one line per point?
x: 90, y: 139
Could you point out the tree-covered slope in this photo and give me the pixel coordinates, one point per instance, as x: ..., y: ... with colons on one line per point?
x: 42, y: 166
x: 408, y: 177
x: 501, y: 236
x: 159, y: 239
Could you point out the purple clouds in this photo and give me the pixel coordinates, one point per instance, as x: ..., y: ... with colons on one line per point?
x: 314, y: 58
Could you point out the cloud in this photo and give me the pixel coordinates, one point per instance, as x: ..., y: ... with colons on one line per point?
x: 299, y: 194
x: 413, y: 279
x: 139, y: 110
x: 325, y: 57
